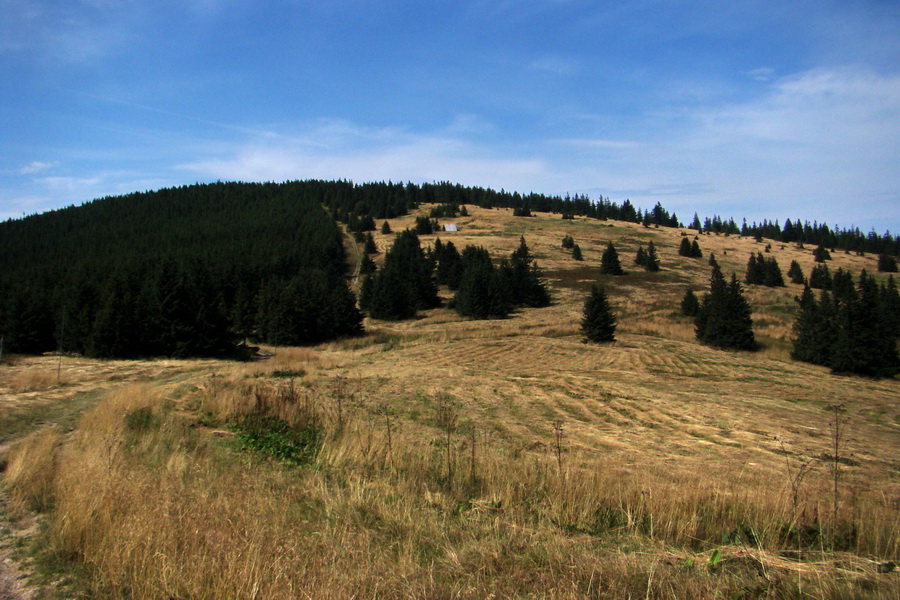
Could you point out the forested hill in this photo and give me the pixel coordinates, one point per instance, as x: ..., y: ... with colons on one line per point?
x: 180, y: 272
x: 194, y: 270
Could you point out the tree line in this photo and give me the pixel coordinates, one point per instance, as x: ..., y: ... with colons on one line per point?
x: 804, y: 232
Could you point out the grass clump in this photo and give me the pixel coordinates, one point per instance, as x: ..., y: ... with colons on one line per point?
x: 277, y: 438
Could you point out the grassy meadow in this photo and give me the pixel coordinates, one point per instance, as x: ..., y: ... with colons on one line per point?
x: 446, y: 458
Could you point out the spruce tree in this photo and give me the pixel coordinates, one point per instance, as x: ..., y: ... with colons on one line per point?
x: 370, y: 247
x: 820, y: 254
x: 864, y: 344
x: 812, y: 341
x: 890, y: 307
x: 528, y: 288
x: 685, y: 248
x: 405, y: 283
x: 576, y: 252
x: 651, y: 262
x: 568, y: 241
x: 842, y: 289
x: 820, y: 277
x: 695, y: 224
x: 385, y: 228
x: 448, y: 269
x: 689, y: 304
x: 598, y: 323
x: 641, y: 256
x: 724, y: 319
x: 366, y: 265
x: 481, y: 293
x: 695, y: 250
x: 609, y: 261
x: 887, y: 263
x: 796, y: 273
x: 755, y: 269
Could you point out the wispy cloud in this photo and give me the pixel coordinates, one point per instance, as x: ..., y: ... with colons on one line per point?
x: 335, y: 150
x: 35, y: 166
x: 761, y: 74
x: 555, y: 64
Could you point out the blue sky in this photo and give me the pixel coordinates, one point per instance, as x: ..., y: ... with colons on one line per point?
x: 756, y: 109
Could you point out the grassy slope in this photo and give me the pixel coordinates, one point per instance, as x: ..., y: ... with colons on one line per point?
x: 667, y: 447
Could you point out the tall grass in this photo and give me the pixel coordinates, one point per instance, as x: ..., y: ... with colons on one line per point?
x: 155, y: 507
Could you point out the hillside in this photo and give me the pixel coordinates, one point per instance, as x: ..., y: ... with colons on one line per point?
x: 444, y: 457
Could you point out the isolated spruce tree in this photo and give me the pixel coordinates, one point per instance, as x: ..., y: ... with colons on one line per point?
x: 695, y: 250
x: 796, y: 273
x: 755, y: 269
x: 385, y: 228
x: 576, y: 252
x: 527, y: 286
x: 820, y: 254
x: 568, y: 241
x: 609, y: 261
x: 689, y: 303
x: 598, y: 323
x: 724, y: 319
x: 651, y: 262
x: 685, y: 248
x: 640, y: 257
x: 772, y: 276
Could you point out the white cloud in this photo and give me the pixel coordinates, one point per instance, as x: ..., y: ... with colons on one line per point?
x: 761, y: 74
x: 35, y: 166
x: 817, y: 145
x: 69, y: 184
x: 337, y: 150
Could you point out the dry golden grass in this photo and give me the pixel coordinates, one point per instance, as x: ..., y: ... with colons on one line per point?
x: 668, y: 448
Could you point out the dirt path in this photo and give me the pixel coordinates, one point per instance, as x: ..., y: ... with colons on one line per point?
x: 12, y: 582
x: 10, y: 586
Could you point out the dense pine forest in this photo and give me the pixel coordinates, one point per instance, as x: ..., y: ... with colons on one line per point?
x: 186, y: 271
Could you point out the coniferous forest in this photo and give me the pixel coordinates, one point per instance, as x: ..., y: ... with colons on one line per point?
x: 188, y: 271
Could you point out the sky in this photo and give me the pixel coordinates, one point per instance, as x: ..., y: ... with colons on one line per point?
x: 760, y: 109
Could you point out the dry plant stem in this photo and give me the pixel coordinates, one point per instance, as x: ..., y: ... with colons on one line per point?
x: 447, y: 420
x: 474, y: 434
x: 558, y: 434
x: 795, y: 476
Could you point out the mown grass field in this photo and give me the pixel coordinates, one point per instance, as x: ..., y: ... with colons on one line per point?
x: 473, y: 459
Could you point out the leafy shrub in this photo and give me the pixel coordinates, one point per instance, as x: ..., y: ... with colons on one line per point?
x: 275, y: 437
